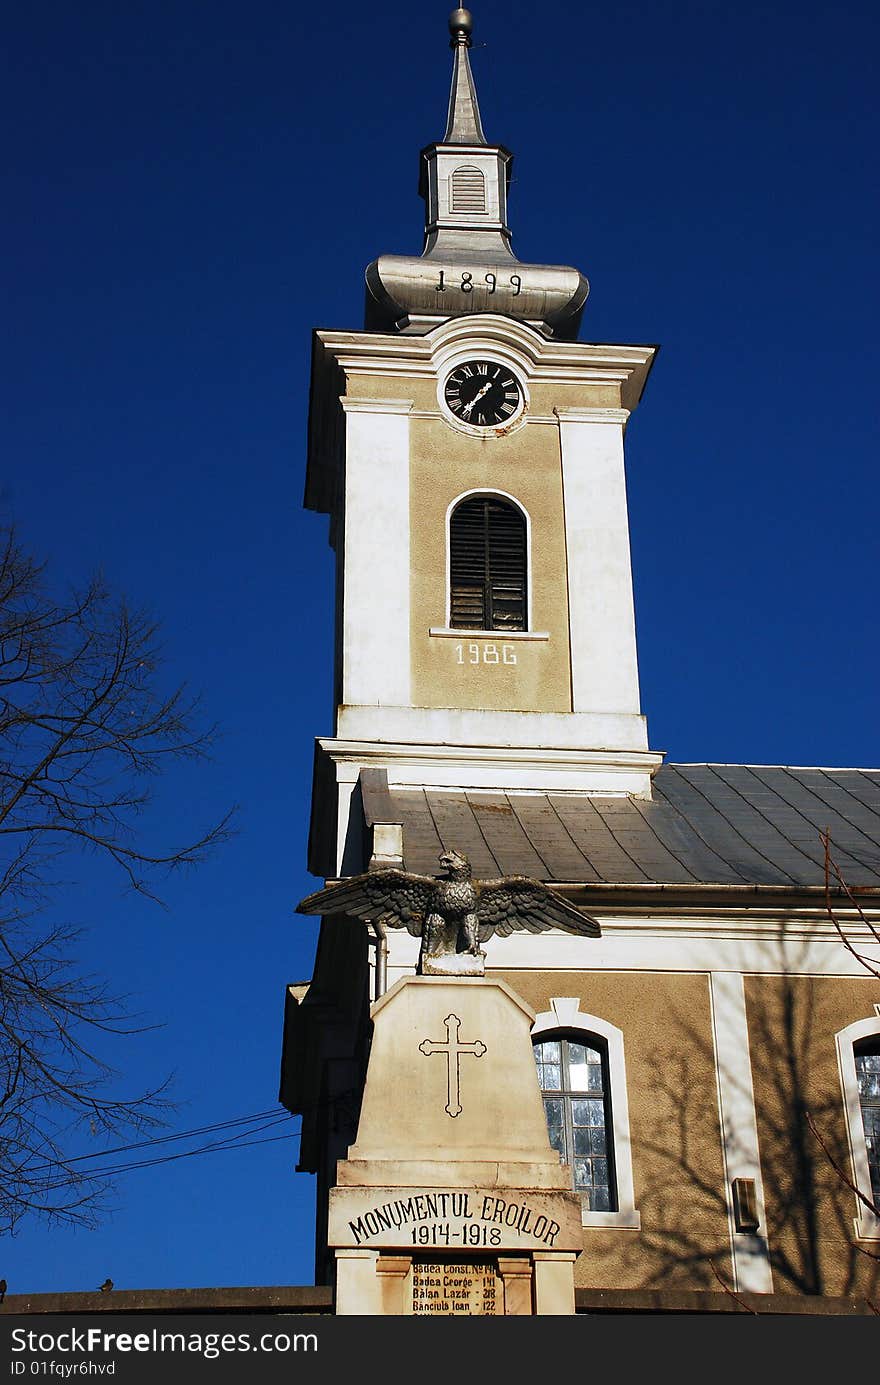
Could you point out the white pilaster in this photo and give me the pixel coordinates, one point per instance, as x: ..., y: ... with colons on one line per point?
x: 601, y: 618
x: 376, y: 614
x: 739, y: 1128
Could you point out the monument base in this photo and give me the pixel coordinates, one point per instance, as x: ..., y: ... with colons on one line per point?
x: 377, y: 1283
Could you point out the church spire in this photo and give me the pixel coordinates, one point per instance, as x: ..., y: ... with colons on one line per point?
x: 467, y: 264
x: 463, y: 125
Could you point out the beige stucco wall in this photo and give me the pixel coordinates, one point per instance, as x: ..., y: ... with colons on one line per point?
x: 518, y: 675
x: 525, y: 465
x: 544, y: 398
x: 676, y: 1141
x: 810, y: 1211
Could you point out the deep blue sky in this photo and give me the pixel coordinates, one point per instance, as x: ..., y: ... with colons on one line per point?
x: 190, y: 189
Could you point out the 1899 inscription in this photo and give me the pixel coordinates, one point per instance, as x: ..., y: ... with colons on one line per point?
x: 467, y: 284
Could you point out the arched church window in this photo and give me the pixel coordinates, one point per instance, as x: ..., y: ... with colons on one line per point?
x: 573, y: 1077
x: 468, y: 190
x: 487, y: 565
x: 858, y: 1058
x: 867, y: 1059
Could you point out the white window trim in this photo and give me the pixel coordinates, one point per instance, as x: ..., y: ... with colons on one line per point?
x: 566, y: 1014
x: 867, y: 1226
x: 502, y: 495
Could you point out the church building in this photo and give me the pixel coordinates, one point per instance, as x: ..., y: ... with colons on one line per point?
x: 704, y: 1053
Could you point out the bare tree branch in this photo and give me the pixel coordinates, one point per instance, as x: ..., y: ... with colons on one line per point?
x: 831, y: 868
x: 84, y: 728
x: 732, y: 1292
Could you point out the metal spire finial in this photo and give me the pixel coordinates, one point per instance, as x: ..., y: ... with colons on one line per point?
x: 463, y: 125
x: 460, y: 25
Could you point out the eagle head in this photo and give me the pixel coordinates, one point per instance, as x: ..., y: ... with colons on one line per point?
x: 457, y: 866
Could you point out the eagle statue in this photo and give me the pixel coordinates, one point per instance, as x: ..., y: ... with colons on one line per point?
x: 451, y: 914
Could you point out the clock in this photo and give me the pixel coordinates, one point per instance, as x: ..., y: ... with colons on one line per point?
x: 482, y: 393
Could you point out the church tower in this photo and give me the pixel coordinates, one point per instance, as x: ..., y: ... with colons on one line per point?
x: 469, y: 453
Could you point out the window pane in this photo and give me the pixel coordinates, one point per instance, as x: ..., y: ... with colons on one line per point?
x: 553, y: 1110
x: 577, y: 1067
x: 869, y: 1085
x: 581, y: 1140
x: 587, y: 1111
x: 585, y: 1069
x: 582, y: 1173
x: 868, y: 1073
x: 577, y: 1117
x: 555, y: 1124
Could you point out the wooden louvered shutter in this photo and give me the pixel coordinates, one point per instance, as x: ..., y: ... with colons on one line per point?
x: 487, y: 539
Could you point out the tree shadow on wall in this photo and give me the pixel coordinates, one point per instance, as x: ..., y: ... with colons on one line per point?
x: 808, y: 1208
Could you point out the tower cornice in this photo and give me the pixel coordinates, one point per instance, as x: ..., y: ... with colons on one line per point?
x: 421, y: 357
x: 403, y: 361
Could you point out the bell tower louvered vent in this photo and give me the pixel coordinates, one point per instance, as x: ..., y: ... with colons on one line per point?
x: 468, y: 190
x: 487, y: 542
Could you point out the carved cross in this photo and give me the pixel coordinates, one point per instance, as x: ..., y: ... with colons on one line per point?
x: 453, y: 1051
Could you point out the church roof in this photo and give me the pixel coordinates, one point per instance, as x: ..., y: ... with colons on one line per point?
x: 706, y: 824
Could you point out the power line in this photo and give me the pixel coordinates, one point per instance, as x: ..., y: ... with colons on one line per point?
x: 218, y: 1146
x: 158, y: 1140
x: 239, y: 1140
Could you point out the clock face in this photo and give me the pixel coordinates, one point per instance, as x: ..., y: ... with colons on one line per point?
x: 482, y: 393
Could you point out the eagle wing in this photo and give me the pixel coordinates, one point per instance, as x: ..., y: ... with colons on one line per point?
x: 516, y: 902
x: 392, y: 897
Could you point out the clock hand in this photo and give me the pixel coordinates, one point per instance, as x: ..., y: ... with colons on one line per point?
x: 479, y: 394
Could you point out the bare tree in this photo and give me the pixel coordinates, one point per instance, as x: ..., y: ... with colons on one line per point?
x: 833, y: 874
x: 84, y: 727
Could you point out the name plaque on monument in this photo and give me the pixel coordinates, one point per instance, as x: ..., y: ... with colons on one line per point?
x: 466, y: 1288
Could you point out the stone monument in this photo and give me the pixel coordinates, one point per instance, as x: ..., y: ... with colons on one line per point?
x: 452, y: 1201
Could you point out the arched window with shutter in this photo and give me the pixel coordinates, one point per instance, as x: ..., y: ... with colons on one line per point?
x: 488, y: 565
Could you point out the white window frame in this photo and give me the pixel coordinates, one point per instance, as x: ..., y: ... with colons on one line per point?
x: 867, y: 1226
x: 566, y: 1015
x: 502, y: 495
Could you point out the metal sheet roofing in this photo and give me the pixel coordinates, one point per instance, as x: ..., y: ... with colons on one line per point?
x: 706, y: 824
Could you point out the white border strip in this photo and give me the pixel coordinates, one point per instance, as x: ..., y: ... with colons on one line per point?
x: 750, y: 1255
